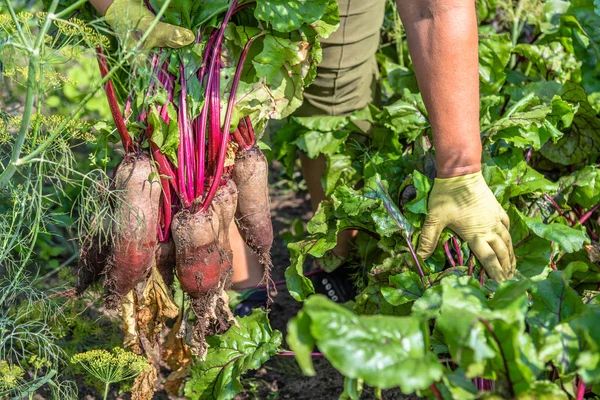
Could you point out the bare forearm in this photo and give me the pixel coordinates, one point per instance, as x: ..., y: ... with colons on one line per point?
x: 442, y: 38
x: 101, y: 5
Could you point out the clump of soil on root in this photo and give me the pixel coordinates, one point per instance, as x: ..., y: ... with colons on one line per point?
x: 213, y: 315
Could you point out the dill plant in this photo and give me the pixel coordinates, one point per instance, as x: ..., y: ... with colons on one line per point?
x: 111, y: 367
x: 10, y: 376
x: 38, y: 173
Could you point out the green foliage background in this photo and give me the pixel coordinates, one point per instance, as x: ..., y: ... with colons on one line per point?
x: 448, y: 331
x: 438, y: 335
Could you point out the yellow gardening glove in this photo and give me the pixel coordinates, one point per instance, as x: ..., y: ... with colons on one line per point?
x: 467, y: 206
x: 131, y: 18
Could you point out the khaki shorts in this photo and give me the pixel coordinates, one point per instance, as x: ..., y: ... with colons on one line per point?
x: 347, y: 77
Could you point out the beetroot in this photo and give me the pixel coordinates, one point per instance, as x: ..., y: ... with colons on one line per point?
x: 135, y: 231
x: 199, y: 262
x: 253, y: 213
x: 204, y: 271
x: 224, y: 204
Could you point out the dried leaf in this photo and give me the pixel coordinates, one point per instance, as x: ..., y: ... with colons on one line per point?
x: 593, y: 251
x: 232, y: 148
x: 155, y: 306
x: 175, y: 379
x: 131, y: 338
x: 144, y: 385
x: 176, y: 354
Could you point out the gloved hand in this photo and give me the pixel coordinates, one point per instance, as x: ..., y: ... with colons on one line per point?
x: 128, y: 16
x: 467, y: 206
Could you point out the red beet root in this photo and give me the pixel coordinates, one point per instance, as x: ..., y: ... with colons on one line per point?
x: 253, y: 213
x: 200, y: 264
x: 137, y: 215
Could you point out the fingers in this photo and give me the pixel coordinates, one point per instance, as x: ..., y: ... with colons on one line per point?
x: 487, y: 257
x: 507, y: 239
x: 430, y: 235
x: 167, y: 35
x: 502, y: 254
x: 504, y: 218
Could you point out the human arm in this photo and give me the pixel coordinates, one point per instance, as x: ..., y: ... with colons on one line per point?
x: 101, y: 5
x: 442, y: 39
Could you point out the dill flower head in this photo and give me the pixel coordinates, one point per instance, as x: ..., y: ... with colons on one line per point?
x: 10, y: 375
x: 76, y: 27
x: 111, y: 367
x: 39, y: 362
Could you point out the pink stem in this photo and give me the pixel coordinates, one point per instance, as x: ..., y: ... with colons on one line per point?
x: 164, y: 167
x: 164, y: 233
x: 448, y: 254
x: 168, y: 81
x: 200, y: 129
x: 436, y: 392
x: 188, y: 166
x: 458, y: 250
x: 580, y: 390
x: 181, y: 162
x: 588, y: 214
x: 214, y: 57
x: 127, y: 109
x: 471, y: 264
x: 239, y: 139
x: 200, y: 122
x: 167, y: 178
x: 245, y: 134
x: 113, y: 104
x: 215, y: 121
x: 528, y: 155
x: 227, y: 126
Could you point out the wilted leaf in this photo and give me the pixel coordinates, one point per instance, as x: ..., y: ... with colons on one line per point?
x: 177, y: 355
x: 129, y: 326
x: 155, y: 306
x: 593, y: 251
x: 144, y: 385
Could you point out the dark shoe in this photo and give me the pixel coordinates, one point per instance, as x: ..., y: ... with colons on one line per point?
x: 337, y: 285
x: 256, y: 299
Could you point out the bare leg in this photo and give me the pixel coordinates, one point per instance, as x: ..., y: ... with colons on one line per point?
x: 313, y: 170
x: 247, y: 271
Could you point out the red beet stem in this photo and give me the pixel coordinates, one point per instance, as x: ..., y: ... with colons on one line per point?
x: 184, y: 126
x: 215, y: 120
x: 227, y: 126
x: 113, y: 105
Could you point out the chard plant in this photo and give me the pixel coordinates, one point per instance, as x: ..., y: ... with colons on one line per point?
x: 440, y: 328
